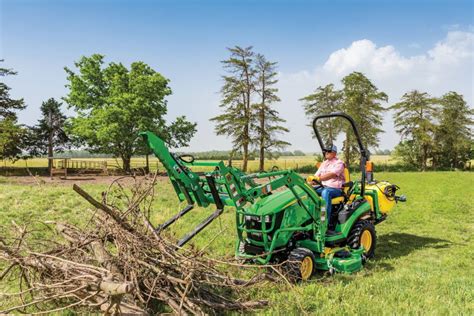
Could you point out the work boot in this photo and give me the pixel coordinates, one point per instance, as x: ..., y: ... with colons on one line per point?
x: 330, y: 232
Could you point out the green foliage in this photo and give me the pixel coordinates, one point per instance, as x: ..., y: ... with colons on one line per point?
x: 268, y: 128
x: 453, y: 135
x: 383, y: 152
x: 246, y: 98
x: 114, y: 104
x: 362, y: 101
x: 49, y: 135
x: 12, y: 138
x: 236, y: 93
x: 414, y: 120
x: 7, y: 104
x: 324, y: 100
x: 433, y: 130
x: 12, y: 135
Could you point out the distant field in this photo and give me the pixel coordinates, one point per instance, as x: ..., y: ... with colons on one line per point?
x: 284, y: 162
x: 423, y: 263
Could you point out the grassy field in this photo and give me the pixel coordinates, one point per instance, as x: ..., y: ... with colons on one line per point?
x: 423, y: 264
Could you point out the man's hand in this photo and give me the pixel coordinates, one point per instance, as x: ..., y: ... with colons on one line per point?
x: 313, y: 180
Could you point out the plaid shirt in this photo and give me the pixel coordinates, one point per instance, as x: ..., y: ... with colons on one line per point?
x: 336, y: 166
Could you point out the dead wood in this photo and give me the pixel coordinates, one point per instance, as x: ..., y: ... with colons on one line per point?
x: 117, y: 264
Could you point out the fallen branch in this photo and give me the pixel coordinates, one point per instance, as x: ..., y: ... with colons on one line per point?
x: 118, y: 264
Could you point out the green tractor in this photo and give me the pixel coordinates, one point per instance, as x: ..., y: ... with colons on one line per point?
x: 280, y: 219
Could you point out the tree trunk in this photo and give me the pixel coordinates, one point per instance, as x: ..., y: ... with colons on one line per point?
x: 424, y: 158
x: 347, y: 151
x: 50, y: 142
x: 262, y: 139
x: 245, y: 152
x: 126, y: 163
x: 147, y: 167
x: 50, y: 152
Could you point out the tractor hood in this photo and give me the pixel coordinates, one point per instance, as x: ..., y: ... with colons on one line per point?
x: 275, y: 202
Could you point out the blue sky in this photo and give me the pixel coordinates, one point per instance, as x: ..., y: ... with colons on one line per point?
x: 400, y: 45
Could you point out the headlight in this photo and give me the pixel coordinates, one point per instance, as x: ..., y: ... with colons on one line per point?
x: 252, y: 218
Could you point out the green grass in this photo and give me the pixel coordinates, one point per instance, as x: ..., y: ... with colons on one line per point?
x: 423, y: 264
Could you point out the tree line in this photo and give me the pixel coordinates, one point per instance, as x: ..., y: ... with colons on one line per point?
x: 433, y: 130
x: 112, y: 103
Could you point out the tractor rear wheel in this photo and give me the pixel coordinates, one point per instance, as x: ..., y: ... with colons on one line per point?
x: 300, y: 264
x: 363, y: 234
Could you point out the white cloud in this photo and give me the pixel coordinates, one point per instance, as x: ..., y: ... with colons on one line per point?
x: 447, y: 66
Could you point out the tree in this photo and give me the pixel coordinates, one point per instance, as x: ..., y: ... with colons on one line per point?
x: 11, y: 133
x: 362, y: 101
x: 236, y: 92
x: 324, y: 100
x: 453, y: 136
x: 113, y: 104
x: 12, y: 138
x: 49, y: 135
x: 414, y: 121
x: 268, y: 128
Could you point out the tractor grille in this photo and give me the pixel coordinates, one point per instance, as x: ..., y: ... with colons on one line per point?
x: 255, y: 223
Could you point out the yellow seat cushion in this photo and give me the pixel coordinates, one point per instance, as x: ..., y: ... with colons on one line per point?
x: 337, y: 200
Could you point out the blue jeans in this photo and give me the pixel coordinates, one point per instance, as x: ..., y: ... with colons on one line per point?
x: 328, y: 194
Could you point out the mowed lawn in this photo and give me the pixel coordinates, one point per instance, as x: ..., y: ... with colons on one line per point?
x: 424, y: 260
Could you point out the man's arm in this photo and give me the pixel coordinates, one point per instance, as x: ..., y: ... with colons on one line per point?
x: 336, y: 171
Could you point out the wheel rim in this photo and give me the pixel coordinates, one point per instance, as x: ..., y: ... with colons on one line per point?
x: 366, y: 240
x: 306, y: 268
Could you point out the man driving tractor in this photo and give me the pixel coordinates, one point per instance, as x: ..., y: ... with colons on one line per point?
x: 331, y: 175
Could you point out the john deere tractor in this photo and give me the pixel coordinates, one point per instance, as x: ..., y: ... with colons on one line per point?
x: 279, y: 216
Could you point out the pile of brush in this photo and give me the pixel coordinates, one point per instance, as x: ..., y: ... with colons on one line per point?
x: 116, y: 264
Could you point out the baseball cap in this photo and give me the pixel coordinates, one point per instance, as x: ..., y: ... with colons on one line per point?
x: 331, y: 148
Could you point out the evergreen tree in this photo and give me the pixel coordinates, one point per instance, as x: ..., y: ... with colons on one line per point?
x: 268, y: 127
x: 324, y: 100
x: 453, y: 136
x: 362, y: 101
x: 49, y: 135
x: 239, y: 86
x: 11, y: 133
x: 414, y: 121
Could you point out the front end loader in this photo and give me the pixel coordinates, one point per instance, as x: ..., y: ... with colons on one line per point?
x: 280, y: 219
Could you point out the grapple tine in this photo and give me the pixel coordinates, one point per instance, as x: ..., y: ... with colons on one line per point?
x: 220, y: 208
x: 199, y: 227
x: 174, y: 218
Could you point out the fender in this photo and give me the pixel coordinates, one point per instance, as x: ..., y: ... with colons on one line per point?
x: 344, y: 229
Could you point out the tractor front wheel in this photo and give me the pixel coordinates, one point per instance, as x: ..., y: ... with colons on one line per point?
x: 300, y: 264
x: 363, y: 234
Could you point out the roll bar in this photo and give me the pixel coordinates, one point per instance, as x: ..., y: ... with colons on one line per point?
x: 363, y: 152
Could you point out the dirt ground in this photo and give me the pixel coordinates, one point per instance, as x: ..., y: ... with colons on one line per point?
x: 35, y: 180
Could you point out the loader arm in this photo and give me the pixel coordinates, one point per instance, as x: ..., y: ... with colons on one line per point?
x: 186, y: 183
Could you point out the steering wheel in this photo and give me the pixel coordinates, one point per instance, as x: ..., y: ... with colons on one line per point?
x: 186, y: 158
x: 316, y: 184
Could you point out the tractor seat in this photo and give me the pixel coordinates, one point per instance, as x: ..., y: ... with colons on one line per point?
x: 346, y: 188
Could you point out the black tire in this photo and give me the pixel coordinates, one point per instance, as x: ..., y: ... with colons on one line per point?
x: 297, y: 266
x: 360, y: 230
